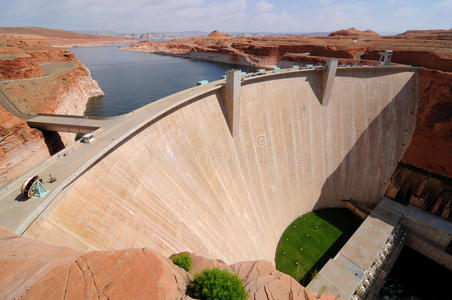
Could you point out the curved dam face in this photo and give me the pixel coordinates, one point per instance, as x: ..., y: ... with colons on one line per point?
x: 183, y: 183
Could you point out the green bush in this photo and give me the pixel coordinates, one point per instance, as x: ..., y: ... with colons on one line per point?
x: 217, y: 284
x: 183, y: 260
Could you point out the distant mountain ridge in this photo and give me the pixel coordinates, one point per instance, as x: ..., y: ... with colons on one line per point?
x: 58, y: 36
x: 182, y: 34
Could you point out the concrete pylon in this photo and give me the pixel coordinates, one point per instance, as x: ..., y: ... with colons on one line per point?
x: 385, y: 58
x: 232, y: 100
x: 328, y: 80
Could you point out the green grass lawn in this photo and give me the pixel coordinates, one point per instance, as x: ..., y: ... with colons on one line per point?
x: 312, y: 239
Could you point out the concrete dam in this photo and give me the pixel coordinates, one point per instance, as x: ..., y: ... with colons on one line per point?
x: 196, y: 172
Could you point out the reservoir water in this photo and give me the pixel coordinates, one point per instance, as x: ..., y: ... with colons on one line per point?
x: 133, y: 79
x: 415, y: 277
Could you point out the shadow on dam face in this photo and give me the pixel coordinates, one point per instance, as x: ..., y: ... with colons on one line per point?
x: 381, y: 140
x: 182, y: 183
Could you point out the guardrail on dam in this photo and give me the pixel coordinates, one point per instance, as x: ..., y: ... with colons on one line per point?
x: 172, y: 177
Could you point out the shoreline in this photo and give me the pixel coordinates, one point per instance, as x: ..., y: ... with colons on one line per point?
x: 207, y: 56
x: 89, y: 45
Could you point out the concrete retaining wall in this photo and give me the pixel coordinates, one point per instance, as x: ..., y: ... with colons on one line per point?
x: 428, y: 234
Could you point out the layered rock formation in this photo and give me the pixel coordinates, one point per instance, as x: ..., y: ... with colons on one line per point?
x: 22, y: 59
x: 56, y: 83
x: 58, y: 37
x: 261, y: 279
x: 353, y: 32
x: 40, y: 271
x: 268, y: 51
x: 21, y: 147
x: 218, y: 35
x: 431, y: 146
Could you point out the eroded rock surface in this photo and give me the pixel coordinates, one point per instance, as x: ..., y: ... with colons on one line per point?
x: 35, y: 270
x: 268, y: 51
x: 218, y: 35
x: 58, y: 37
x: 355, y: 33
x: 20, y: 146
x: 22, y: 59
x: 263, y: 281
x: 431, y: 145
x: 201, y: 263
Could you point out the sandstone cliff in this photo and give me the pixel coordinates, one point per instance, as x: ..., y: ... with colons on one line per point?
x: 21, y: 147
x: 348, y: 44
x: 41, y: 271
x: 22, y: 59
x: 431, y: 145
x: 56, y: 83
x: 355, y: 33
x: 218, y: 35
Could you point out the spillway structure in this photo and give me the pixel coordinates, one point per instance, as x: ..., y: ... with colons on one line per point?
x: 222, y: 170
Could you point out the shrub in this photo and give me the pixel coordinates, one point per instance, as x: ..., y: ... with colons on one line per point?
x: 217, y: 284
x: 183, y: 260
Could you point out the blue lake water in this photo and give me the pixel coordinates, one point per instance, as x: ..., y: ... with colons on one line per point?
x: 133, y: 79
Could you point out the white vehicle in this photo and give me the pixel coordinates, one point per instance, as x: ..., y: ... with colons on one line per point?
x: 87, y: 138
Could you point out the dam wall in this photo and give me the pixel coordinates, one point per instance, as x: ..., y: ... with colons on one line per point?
x: 184, y: 183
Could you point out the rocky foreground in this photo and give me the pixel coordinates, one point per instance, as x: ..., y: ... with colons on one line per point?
x: 40, y: 271
x: 431, y: 49
x: 64, y: 89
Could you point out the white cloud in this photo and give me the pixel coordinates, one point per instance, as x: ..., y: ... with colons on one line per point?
x: 445, y: 6
x: 342, y: 15
x: 263, y: 6
x: 217, y: 14
x: 326, y: 2
x: 408, y: 11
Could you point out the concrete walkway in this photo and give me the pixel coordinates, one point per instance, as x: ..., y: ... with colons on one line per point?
x: 346, y: 273
x: 363, y: 262
x: 63, y: 123
x: 10, y: 107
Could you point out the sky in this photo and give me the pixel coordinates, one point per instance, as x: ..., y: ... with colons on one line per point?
x: 383, y: 16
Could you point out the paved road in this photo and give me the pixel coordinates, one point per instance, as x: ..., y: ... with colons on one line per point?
x: 49, y: 69
x: 11, y: 108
